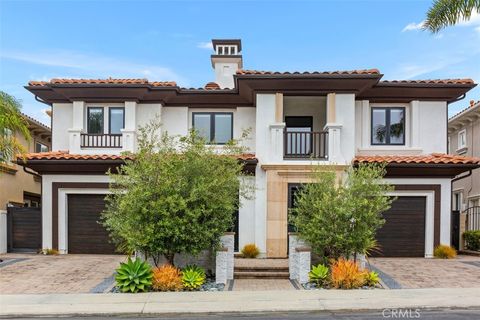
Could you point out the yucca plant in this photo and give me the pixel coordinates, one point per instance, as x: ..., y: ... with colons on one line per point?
x: 134, y: 276
x: 319, y: 274
x: 193, y: 279
x: 371, y: 279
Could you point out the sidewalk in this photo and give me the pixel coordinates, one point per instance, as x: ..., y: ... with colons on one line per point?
x: 231, y: 302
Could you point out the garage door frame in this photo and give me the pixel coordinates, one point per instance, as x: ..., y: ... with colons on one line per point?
x: 63, y: 212
x: 429, y: 215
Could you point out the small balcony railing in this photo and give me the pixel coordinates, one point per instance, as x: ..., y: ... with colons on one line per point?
x: 305, y: 144
x: 89, y: 140
x: 473, y: 218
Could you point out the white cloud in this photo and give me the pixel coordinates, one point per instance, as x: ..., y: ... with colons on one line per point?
x: 413, y: 26
x: 205, y: 45
x: 94, y: 65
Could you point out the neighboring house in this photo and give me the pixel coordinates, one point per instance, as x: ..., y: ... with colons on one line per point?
x: 464, y: 139
x: 297, y: 120
x: 20, y: 188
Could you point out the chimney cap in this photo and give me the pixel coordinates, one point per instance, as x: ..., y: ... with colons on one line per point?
x: 237, y: 42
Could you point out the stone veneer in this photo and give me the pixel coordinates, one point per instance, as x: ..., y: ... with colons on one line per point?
x: 299, y: 259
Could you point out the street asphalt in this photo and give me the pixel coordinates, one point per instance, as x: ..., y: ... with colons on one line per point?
x: 438, y: 314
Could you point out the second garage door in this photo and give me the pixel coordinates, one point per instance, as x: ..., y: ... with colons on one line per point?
x: 85, y: 234
x: 403, y: 234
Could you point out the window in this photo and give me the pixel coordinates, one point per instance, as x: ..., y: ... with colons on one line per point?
x: 214, y: 127
x: 457, y: 201
x: 388, y: 126
x: 95, y: 120
x: 40, y: 147
x: 116, y: 118
x: 462, y: 139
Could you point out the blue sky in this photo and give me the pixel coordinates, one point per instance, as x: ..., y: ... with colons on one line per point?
x: 162, y: 40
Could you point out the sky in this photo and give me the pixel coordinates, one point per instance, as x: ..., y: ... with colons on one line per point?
x: 170, y: 40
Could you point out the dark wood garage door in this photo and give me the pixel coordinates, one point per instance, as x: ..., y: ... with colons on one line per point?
x: 24, y: 229
x: 85, y: 234
x: 403, y: 234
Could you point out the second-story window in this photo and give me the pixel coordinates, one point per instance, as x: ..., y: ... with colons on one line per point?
x: 40, y: 147
x: 117, y: 120
x: 95, y: 120
x: 462, y: 139
x: 215, y: 127
x: 388, y: 126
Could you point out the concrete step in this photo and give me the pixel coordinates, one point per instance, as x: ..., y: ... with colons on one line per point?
x: 261, y: 275
x: 261, y: 268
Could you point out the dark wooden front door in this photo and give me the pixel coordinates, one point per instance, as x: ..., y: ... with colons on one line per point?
x: 85, y: 234
x: 403, y: 234
x: 24, y: 229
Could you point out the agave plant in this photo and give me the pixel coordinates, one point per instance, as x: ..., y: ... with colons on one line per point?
x: 319, y: 274
x: 371, y: 279
x: 193, y: 267
x: 193, y: 279
x: 134, y: 276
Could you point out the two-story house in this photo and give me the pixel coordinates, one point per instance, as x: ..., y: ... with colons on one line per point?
x: 297, y: 120
x: 464, y: 139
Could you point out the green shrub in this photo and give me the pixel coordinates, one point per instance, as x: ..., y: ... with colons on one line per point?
x: 134, y: 276
x: 250, y: 251
x: 371, y: 279
x: 319, y: 274
x: 472, y: 238
x: 444, y: 252
x: 192, y: 279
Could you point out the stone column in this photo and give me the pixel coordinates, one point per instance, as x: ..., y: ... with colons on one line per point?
x: 221, y: 266
x: 303, y: 264
x: 228, y: 242
x: 3, y: 231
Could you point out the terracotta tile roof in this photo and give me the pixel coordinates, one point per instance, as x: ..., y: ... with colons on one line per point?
x: 212, y: 86
x: 339, y: 72
x: 104, y: 81
x: 472, y: 105
x: 430, y: 81
x: 434, y: 158
x: 36, y: 122
x: 65, y: 155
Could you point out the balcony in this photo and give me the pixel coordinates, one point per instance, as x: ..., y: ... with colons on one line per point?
x: 305, y: 145
x: 88, y: 140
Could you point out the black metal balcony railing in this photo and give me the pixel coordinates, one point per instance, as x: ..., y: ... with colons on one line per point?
x: 473, y: 218
x: 90, y: 140
x: 305, y: 145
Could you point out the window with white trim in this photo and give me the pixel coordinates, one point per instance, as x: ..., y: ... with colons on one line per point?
x: 40, y: 147
x: 462, y: 139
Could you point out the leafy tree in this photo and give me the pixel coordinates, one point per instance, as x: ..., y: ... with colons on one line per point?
x: 11, y: 123
x: 339, y: 217
x: 178, y: 195
x: 444, y: 13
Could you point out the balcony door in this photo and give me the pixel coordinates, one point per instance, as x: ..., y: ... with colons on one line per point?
x: 298, y: 142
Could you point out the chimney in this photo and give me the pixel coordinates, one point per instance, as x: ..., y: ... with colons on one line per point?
x: 472, y: 103
x: 226, y: 60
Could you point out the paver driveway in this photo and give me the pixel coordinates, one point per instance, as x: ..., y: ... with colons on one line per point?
x: 462, y: 272
x: 75, y: 273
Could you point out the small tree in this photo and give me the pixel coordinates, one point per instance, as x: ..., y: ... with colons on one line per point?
x: 11, y: 123
x: 340, y: 217
x: 177, y: 195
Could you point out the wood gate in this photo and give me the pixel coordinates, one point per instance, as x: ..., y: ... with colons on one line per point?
x: 24, y: 229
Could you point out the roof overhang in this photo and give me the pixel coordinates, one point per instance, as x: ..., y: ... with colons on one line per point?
x: 97, y: 166
x: 401, y: 170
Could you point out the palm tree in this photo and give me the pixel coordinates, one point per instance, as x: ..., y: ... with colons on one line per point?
x: 11, y: 123
x: 444, y: 13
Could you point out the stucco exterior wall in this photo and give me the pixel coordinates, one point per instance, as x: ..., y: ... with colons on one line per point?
x: 62, y: 120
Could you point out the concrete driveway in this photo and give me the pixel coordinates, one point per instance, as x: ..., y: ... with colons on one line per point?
x: 401, y: 273
x: 76, y: 273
